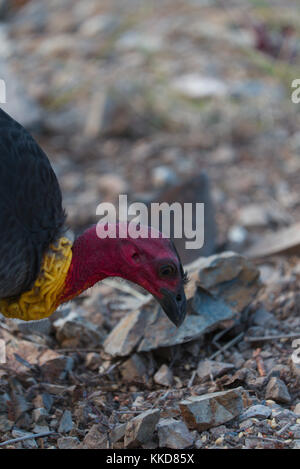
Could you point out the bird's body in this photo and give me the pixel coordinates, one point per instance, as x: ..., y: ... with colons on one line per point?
x: 31, y: 213
x: 39, y: 267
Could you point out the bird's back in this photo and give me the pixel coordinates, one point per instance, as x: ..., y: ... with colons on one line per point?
x: 31, y: 213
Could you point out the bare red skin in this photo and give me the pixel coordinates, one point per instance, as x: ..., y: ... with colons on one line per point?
x: 137, y: 260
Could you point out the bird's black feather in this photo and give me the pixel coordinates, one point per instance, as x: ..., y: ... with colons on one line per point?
x: 31, y: 213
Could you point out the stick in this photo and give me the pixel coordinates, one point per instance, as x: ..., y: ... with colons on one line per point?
x: 267, y: 338
x: 259, y: 362
x: 27, y: 437
x: 228, y: 345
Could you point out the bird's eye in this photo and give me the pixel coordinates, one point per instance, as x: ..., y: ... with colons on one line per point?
x: 136, y: 258
x: 167, y: 271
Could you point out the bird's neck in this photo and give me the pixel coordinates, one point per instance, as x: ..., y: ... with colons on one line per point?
x: 93, y: 260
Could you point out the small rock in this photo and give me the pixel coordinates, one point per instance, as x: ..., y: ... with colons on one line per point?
x: 95, y: 439
x: 210, y: 369
x: 256, y: 411
x: 174, y: 434
x: 40, y: 429
x: 213, y: 409
x: 66, y: 423
x: 164, y: 376
x: 262, y: 317
x: 277, y: 390
x: 253, y: 216
x: 41, y: 327
x: 297, y: 409
x: 126, y: 335
x: 118, y: 433
x: 229, y: 276
x: 295, y: 429
x: 163, y: 175
x: 40, y: 416
x: 54, y: 366
x: 76, y: 331
x: 68, y: 442
x: 141, y: 428
x: 5, y: 424
x: 246, y: 424
x: 237, y: 235
x: 283, y: 242
x: 4, y: 401
x: 295, y: 368
x: 196, y: 86
x: 93, y: 361
x: 134, y: 369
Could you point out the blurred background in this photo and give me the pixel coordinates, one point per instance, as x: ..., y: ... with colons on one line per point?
x: 139, y: 97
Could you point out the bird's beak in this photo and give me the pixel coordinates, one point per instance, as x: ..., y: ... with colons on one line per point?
x: 174, y: 305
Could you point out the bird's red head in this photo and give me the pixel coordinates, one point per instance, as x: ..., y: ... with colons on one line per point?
x: 150, y: 261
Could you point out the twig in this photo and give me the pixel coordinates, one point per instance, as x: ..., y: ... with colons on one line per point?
x: 228, y: 345
x: 273, y: 440
x: 191, y: 381
x: 75, y: 350
x: 27, y: 437
x: 267, y: 338
x: 283, y: 429
x: 129, y: 411
x: 259, y: 362
x: 219, y: 335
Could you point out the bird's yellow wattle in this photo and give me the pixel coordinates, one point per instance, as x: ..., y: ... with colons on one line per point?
x: 42, y: 300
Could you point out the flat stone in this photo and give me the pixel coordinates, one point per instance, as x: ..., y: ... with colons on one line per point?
x: 213, y: 409
x: 261, y: 317
x: 278, y: 391
x: 230, y: 277
x: 256, y: 411
x: 174, y: 434
x: 127, y: 334
x: 68, y: 442
x: 66, y: 423
x: 54, y: 366
x: 5, y: 424
x: 76, y: 331
x: 95, y: 439
x: 134, y: 369
x: 141, y: 428
x: 210, y: 369
x: 297, y: 408
x: 283, y: 242
x: 40, y: 415
x: 164, y: 376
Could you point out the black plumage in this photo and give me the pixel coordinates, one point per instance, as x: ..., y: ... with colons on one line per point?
x: 31, y: 213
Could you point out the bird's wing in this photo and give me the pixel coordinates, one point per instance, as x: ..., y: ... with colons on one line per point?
x: 31, y: 213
